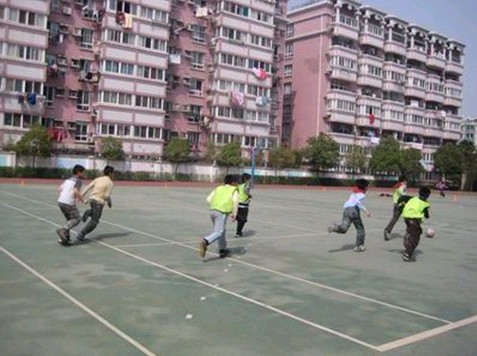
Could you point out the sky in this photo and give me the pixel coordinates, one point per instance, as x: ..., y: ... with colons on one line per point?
x: 456, y: 19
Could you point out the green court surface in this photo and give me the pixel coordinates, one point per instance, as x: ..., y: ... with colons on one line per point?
x: 138, y: 285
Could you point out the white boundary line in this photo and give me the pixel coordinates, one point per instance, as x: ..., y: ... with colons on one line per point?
x: 427, y: 334
x: 143, y: 245
x: 184, y: 275
x: 265, y: 269
x: 80, y: 305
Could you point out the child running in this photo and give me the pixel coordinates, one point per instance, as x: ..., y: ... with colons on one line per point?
x: 399, y: 191
x: 101, y: 189
x: 415, y: 210
x: 223, y: 202
x: 351, y: 214
x: 244, y: 203
x: 69, y: 194
x: 441, y: 187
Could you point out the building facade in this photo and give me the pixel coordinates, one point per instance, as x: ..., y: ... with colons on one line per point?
x: 143, y: 71
x: 369, y: 75
x: 469, y: 130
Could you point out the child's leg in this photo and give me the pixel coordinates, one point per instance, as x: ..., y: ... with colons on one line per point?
x: 345, y: 223
x: 219, y: 220
x: 96, y: 212
x: 360, y: 233
x: 394, y: 219
x: 242, y: 216
x: 413, y: 235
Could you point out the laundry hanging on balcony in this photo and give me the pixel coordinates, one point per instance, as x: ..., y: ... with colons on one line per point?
x: 371, y: 116
x: 262, y: 100
x: 128, y: 21
x: 201, y: 12
x: 260, y: 73
x: 120, y: 18
x: 237, y: 98
x: 175, y: 58
x: 31, y: 98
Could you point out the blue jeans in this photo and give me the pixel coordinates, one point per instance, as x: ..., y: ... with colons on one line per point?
x: 219, y: 220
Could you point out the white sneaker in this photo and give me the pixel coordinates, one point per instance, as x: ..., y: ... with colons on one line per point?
x: 359, y: 248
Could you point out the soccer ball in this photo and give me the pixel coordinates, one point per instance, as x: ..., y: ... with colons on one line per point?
x: 430, y: 233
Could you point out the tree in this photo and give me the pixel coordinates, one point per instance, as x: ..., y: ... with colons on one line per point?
x: 356, y: 159
x: 35, y: 143
x: 112, y: 149
x: 322, y: 153
x: 281, y: 157
x: 230, y: 155
x: 411, y: 162
x: 177, y: 152
x: 459, y: 161
x: 386, y: 157
x: 210, y: 154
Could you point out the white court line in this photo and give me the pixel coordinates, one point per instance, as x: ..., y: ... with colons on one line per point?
x: 278, y: 273
x: 75, y: 301
x: 197, y: 280
x: 145, y: 245
x: 427, y: 334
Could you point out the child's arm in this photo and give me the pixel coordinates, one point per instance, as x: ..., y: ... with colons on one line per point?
x: 210, y: 197
x: 235, y: 200
x: 78, y: 195
x: 426, y: 213
x: 362, y: 207
x: 107, y: 194
x: 87, y: 188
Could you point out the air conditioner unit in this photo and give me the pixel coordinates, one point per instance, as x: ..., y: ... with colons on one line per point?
x: 67, y: 10
x: 186, y: 81
x: 77, y: 32
x: 189, y: 27
x: 61, y: 61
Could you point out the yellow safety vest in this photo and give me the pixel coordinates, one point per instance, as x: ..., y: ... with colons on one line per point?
x: 414, y: 209
x: 243, y: 196
x: 222, y: 200
x: 397, y: 194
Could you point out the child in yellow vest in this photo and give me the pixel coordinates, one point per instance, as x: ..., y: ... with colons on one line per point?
x: 399, y: 191
x: 415, y: 210
x: 244, y: 203
x: 223, y: 202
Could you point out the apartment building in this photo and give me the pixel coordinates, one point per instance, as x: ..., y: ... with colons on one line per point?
x: 144, y: 71
x: 359, y: 74
x: 223, y: 72
x: 469, y: 130
x: 23, y: 44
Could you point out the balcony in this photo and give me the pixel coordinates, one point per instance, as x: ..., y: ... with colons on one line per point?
x: 339, y: 116
x: 453, y: 93
x: 364, y: 121
x: 345, y: 26
x: 397, y: 87
x: 434, y: 96
x: 372, y: 35
x: 416, y: 145
x: 415, y: 92
x: 340, y: 73
x: 417, y: 54
x: 436, y: 61
x: 415, y: 129
x: 370, y: 80
x: 395, y: 47
x: 435, y: 89
x: 454, y: 67
x: 433, y: 132
x: 392, y: 125
x: 341, y: 95
x: 342, y: 51
x: 390, y: 66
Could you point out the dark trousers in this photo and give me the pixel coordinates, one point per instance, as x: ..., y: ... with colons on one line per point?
x: 242, y: 215
x: 352, y: 216
x: 94, y: 213
x: 396, y: 214
x: 71, y: 214
x: 413, y: 235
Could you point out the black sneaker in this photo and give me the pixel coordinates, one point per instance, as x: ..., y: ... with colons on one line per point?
x: 80, y: 237
x: 64, y: 238
x: 406, y: 257
x: 387, y: 235
x: 238, y: 234
x: 224, y: 253
x: 86, y: 215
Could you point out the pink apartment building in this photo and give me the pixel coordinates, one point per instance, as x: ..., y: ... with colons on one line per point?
x: 143, y: 71
x: 358, y: 74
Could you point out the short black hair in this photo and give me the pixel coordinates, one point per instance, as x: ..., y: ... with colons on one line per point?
x: 362, y: 183
x: 78, y: 169
x: 402, y: 178
x: 230, y: 179
x: 424, y: 192
x: 108, y: 170
x: 246, y: 177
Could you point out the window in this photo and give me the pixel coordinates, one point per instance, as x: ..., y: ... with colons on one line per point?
x: 194, y: 113
x: 83, y: 100
x: 253, y: 63
x: 337, y: 85
x: 118, y: 67
x: 198, y: 33
x: 233, y: 34
x: 371, y: 70
x: 197, y: 60
x: 20, y: 120
x: 27, y: 18
x: 25, y: 52
x: 289, y: 51
x: 150, y: 73
x: 290, y: 30
x: 147, y: 132
x: 49, y: 94
x: 260, y: 16
x: 120, y: 37
x: 236, y: 9
x: 258, y: 90
x: 86, y: 38
x: 232, y: 60
x: 55, y: 5
x: 194, y: 138
x: 23, y: 86
x: 2, y: 12
x: 349, y: 21
x: 81, y: 131
x: 287, y: 89
x: 343, y: 62
x: 123, y: 6
x: 288, y: 70
x: 148, y: 102
x: 195, y: 86
x: 155, y: 44
x: 154, y: 14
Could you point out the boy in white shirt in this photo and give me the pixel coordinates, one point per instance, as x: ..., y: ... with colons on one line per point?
x: 69, y: 194
x: 351, y: 214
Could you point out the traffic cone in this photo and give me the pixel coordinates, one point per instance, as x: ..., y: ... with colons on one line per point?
x: 22, y: 183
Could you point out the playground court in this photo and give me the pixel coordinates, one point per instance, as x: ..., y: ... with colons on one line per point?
x: 139, y: 287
